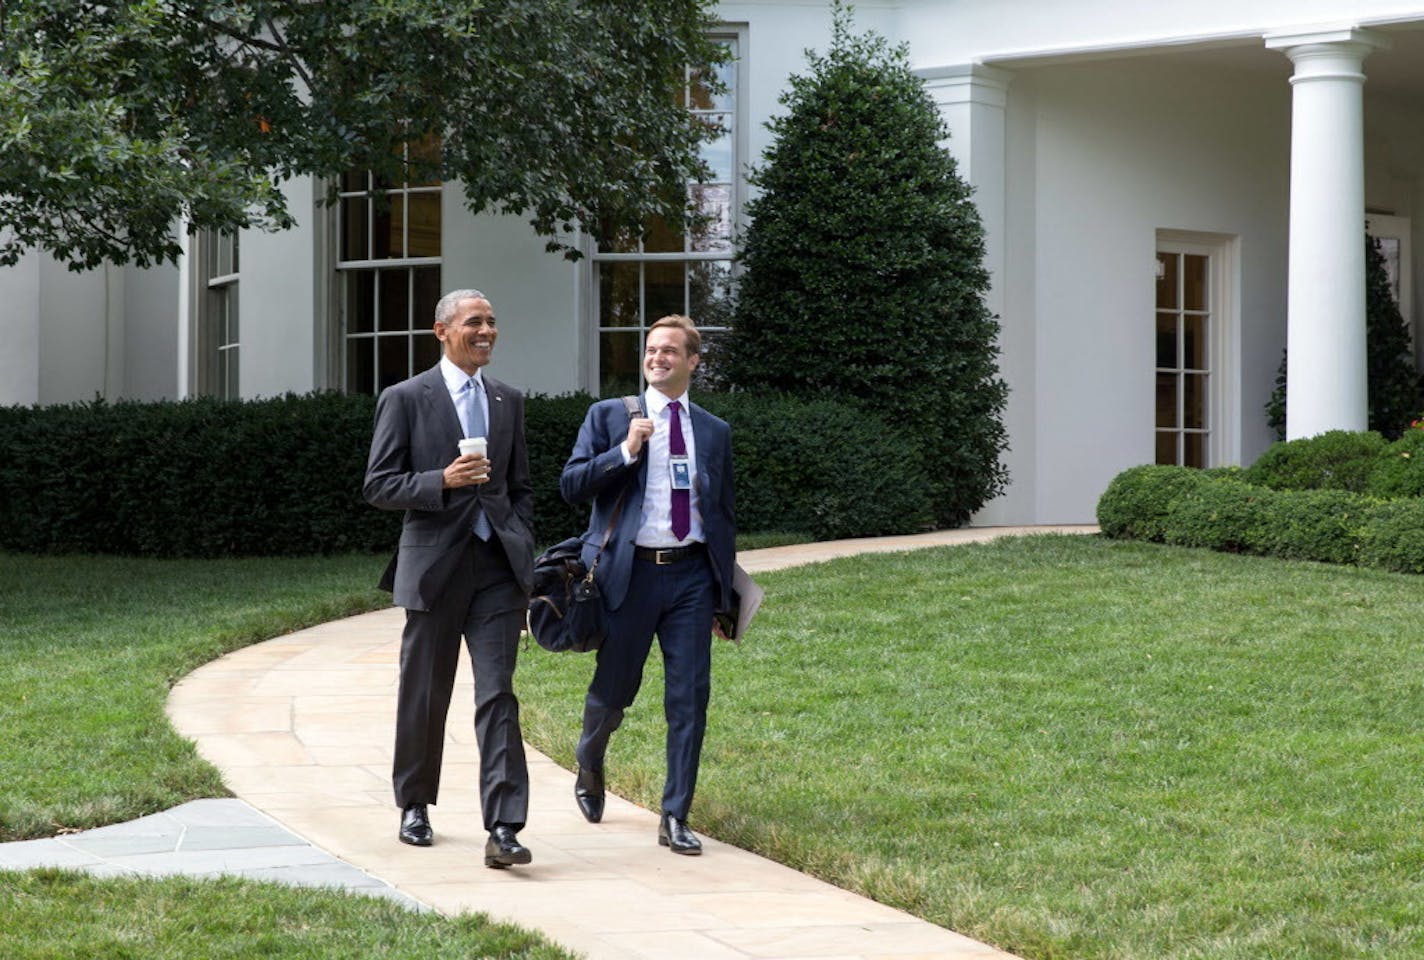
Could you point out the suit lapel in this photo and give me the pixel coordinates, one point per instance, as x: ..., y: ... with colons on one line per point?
x: 497, y: 424
x: 443, y: 416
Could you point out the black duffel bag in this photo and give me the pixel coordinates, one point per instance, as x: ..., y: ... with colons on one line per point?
x: 565, y: 607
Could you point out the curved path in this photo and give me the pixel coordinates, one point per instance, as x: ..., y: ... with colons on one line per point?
x: 300, y: 727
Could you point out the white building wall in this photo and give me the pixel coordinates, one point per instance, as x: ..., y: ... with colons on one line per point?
x: 536, y: 295
x: 1120, y: 152
x: 151, y: 349
x: 81, y: 333
x: 20, y: 332
x: 280, y: 329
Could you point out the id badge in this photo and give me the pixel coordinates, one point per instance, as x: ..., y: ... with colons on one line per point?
x: 681, y: 473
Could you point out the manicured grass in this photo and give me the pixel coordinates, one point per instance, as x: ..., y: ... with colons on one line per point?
x: 89, y: 647
x: 1069, y: 747
x: 51, y: 914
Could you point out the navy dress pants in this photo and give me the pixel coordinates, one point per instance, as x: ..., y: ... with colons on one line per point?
x: 674, y: 601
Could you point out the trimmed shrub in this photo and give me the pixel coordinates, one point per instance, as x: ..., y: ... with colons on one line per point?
x: 1184, y: 507
x: 1398, y: 469
x: 1393, y: 537
x: 206, y: 478
x: 1336, y: 460
x: 551, y: 424
x: 864, y: 262
x: 1219, y: 514
x: 1324, y: 525
x: 823, y: 467
x: 1136, y: 504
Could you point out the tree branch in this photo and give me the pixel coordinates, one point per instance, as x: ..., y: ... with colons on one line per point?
x: 279, y: 46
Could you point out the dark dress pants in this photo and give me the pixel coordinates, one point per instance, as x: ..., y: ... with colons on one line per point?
x: 674, y: 601
x: 485, y: 603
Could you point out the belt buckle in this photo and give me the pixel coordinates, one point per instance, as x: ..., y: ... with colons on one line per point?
x: 658, y: 557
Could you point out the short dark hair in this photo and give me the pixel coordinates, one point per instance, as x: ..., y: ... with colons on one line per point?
x: 445, y: 309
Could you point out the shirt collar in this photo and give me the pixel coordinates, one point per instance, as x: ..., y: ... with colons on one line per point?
x: 655, y: 400
x: 455, y: 378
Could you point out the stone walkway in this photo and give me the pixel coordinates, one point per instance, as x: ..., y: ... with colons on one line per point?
x: 300, y: 727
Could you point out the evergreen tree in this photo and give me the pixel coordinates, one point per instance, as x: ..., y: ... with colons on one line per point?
x: 1393, y: 381
x: 1393, y: 387
x: 863, y: 270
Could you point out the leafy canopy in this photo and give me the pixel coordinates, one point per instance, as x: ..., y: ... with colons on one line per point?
x: 863, y: 270
x: 117, y: 119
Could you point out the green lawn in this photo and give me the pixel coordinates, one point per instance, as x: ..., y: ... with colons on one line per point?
x: 1069, y: 747
x: 59, y: 915
x: 89, y: 647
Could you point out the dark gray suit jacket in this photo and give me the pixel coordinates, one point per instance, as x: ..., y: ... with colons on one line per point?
x: 595, y: 471
x: 417, y: 434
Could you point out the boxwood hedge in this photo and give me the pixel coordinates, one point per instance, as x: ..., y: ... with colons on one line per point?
x: 1222, y: 510
x: 282, y: 476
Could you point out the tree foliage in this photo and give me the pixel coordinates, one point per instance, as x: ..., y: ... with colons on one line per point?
x: 117, y: 119
x: 863, y: 267
x: 1393, y: 383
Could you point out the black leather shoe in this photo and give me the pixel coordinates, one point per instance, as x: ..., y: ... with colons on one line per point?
x: 673, y: 833
x: 504, y: 849
x: 588, y: 791
x: 415, y: 826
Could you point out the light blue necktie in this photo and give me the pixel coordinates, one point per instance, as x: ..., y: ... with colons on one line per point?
x: 475, y: 422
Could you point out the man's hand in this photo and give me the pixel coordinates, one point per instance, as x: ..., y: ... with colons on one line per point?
x: 466, y: 471
x: 639, y: 430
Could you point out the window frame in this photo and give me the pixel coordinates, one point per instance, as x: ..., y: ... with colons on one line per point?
x: 591, y: 326
x: 1221, y: 393
x: 216, y: 336
x: 343, y: 269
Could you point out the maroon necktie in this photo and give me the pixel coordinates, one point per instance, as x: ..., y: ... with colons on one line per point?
x: 681, y: 499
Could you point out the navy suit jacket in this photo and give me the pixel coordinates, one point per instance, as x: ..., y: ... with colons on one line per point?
x: 417, y: 434
x: 596, y: 472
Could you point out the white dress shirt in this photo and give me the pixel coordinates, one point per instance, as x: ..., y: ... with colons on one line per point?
x: 655, y: 526
x: 455, y: 380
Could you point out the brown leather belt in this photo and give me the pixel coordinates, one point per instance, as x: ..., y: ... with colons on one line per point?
x: 666, y: 555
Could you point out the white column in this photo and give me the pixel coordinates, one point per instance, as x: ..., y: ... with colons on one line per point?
x: 1326, y: 296
x: 973, y: 101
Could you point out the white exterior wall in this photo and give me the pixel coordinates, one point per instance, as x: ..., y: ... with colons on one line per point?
x: 81, y: 333
x: 151, y: 349
x: 20, y: 332
x: 280, y: 331
x: 1118, y: 153
x: 535, y: 294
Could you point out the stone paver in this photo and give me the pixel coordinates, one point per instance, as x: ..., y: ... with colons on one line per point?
x: 203, y: 838
x: 300, y: 727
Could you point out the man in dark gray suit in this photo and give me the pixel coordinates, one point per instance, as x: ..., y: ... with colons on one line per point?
x: 664, y: 483
x: 464, y: 566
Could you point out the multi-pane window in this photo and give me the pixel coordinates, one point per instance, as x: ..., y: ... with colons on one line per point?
x: 389, y: 272
x: 1184, y: 326
x: 218, y: 340
x: 677, y: 267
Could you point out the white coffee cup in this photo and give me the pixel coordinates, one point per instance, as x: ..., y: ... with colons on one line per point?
x: 472, y: 445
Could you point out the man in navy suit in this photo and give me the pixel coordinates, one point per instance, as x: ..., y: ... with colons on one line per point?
x: 464, y: 566
x: 667, y: 566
